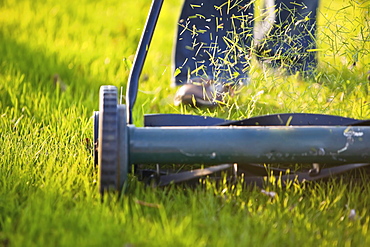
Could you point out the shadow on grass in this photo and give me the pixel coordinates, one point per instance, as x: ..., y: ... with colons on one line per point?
x: 35, y: 71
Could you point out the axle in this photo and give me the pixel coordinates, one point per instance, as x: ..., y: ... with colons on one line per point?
x: 217, y: 145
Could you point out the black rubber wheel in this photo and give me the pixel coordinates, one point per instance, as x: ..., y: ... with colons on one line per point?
x: 108, y: 139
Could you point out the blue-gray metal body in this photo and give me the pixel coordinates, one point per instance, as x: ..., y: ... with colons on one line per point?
x: 233, y: 144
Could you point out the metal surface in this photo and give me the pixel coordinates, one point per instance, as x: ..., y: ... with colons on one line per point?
x: 142, y: 50
x: 282, y: 119
x: 155, y: 120
x: 218, y: 145
x: 296, y: 119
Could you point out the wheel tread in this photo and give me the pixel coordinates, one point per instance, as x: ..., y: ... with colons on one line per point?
x: 108, y: 138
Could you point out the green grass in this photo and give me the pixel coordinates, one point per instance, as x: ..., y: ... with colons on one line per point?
x: 48, y: 184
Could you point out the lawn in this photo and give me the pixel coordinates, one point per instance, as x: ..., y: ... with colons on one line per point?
x: 54, y: 56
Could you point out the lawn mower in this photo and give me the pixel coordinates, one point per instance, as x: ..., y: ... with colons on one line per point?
x: 329, y: 144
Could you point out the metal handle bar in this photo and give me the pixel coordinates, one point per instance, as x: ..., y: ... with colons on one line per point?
x: 142, y: 50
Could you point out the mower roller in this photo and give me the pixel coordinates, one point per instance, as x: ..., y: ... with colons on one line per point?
x: 244, y: 146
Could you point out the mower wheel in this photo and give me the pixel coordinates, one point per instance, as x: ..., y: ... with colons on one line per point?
x: 108, y: 139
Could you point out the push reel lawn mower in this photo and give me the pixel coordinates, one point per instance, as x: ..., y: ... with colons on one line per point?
x: 339, y: 143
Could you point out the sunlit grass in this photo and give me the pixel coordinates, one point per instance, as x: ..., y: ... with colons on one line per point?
x: 48, y: 187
